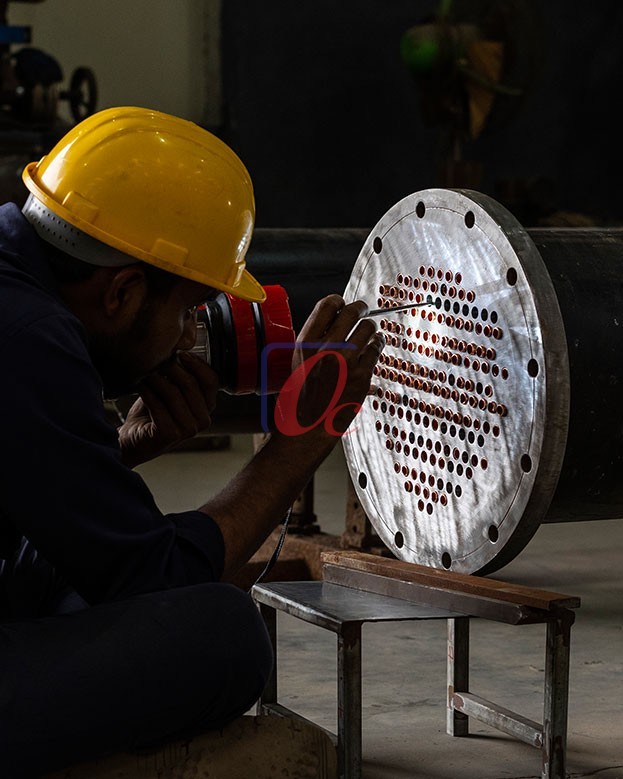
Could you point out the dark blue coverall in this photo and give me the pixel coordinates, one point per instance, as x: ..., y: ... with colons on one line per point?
x: 115, y: 632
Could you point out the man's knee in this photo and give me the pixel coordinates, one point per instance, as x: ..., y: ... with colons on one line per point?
x: 227, y: 656
x: 249, y: 640
x: 230, y: 636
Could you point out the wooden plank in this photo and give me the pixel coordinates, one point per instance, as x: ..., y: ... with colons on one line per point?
x: 449, y: 580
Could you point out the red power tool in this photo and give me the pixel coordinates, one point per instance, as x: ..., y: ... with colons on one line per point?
x: 233, y: 336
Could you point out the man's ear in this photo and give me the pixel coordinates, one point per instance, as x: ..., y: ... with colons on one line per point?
x: 125, y: 293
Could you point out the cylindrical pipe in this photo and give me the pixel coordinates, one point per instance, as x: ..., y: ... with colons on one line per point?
x: 586, y: 268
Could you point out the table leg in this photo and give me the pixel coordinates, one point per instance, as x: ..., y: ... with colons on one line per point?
x: 349, y: 701
x: 556, y: 696
x: 458, y: 673
x: 269, y: 694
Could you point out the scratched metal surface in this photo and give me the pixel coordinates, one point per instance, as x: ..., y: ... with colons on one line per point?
x: 446, y: 456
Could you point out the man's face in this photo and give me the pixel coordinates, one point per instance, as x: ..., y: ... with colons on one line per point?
x: 165, y: 324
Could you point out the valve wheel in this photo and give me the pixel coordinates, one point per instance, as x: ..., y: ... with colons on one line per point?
x: 82, y: 94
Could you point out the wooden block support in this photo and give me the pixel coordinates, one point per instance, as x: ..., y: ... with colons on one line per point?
x: 435, y: 579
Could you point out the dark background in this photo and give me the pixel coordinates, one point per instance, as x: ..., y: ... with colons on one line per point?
x: 329, y: 120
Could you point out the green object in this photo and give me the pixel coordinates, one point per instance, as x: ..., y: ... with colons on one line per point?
x: 419, y: 50
x: 444, y: 8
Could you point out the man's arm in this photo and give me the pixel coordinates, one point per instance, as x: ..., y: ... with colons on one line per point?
x: 256, y: 500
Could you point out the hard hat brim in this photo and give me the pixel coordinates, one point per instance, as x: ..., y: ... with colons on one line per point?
x: 249, y: 289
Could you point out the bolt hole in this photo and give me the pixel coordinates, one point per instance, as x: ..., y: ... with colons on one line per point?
x: 511, y: 276
x: 533, y: 368
x: 377, y: 245
x: 420, y: 209
x: 399, y: 540
x: 446, y: 560
x: 493, y: 534
x: 526, y: 463
x: 470, y: 219
x: 363, y: 481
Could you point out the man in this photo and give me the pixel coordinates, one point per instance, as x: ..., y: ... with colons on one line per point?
x: 119, y: 630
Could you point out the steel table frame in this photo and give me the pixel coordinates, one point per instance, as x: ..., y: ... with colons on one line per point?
x: 343, y: 610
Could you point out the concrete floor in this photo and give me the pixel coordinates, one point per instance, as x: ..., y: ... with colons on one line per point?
x: 404, y: 663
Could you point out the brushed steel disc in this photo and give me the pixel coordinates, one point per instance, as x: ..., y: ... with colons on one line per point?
x: 456, y: 455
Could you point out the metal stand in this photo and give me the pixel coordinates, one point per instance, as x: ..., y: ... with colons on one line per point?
x: 361, y: 588
x: 343, y: 611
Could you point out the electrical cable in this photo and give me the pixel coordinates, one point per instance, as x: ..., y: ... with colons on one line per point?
x: 277, y: 551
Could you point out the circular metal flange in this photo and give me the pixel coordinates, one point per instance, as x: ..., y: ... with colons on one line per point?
x: 456, y: 455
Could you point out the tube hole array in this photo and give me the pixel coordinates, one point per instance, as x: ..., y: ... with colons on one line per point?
x: 439, y: 403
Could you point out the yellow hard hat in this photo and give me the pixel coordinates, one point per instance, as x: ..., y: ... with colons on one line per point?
x: 155, y: 187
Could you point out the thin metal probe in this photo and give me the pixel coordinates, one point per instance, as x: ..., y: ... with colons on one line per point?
x: 377, y: 311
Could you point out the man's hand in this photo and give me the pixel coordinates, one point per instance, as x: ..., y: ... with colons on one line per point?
x: 175, y: 404
x: 355, y: 346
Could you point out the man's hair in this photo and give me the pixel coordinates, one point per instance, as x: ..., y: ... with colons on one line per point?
x: 70, y: 270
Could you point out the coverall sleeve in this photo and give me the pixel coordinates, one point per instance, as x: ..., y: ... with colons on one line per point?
x: 63, y: 483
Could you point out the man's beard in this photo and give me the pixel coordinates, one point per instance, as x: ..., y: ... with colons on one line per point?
x: 117, y: 375
x: 117, y: 358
